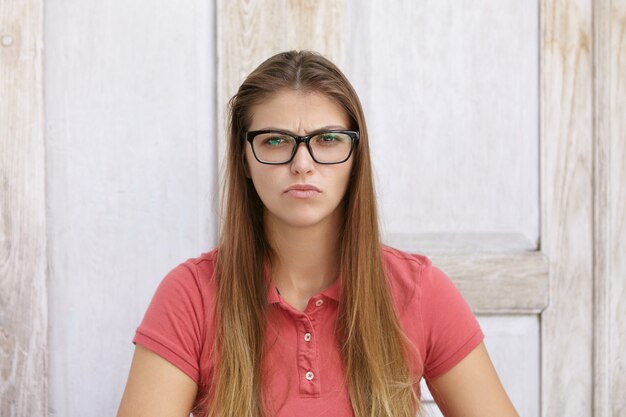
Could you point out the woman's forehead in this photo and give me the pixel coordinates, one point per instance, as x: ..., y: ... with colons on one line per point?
x: 297, y: 111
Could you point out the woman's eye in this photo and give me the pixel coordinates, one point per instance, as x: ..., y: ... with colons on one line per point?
x: 331, y: 139
x: 275, y: 141
x: 327, y: 139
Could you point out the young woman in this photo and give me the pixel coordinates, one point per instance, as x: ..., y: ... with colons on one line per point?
x: 301, y: 311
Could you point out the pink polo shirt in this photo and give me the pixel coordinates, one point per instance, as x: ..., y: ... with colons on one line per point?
x: 303, y: 369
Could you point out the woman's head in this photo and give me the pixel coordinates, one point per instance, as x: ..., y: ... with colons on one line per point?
x: 304, y: 75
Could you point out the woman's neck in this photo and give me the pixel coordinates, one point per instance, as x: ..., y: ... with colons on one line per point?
x: 306, y: 259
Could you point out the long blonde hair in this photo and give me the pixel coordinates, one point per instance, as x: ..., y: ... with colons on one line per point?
x: 373, y: 348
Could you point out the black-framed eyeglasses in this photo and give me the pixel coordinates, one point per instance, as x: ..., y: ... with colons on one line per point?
x: 275, y: 147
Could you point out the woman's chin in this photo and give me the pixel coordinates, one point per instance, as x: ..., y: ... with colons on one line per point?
x: 300, y: 220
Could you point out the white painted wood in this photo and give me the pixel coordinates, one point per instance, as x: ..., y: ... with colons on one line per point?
x: 616, y: 200
x: 450, y: 91
x: 131, y: 173
x: 610, y: 208
x: 566, y: 206
x: 23, y: 309
x: 468, y: 242
x: 513, y: 344
x: 250, y: 31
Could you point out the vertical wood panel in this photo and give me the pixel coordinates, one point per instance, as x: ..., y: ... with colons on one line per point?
x: 566, y: 212
x: 23, y: 317
x: 249, y: 31
x: 454, y: 86
x: 131, y: 169
x: 616, y: 243
x: 610, y: 208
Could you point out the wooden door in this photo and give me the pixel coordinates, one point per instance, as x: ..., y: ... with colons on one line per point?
x: 507, y: 169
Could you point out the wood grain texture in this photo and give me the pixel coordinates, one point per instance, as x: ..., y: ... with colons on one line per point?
x: 23, y: 316
x: 450, y: 91
x: 485, y: 278
x: 130, y: 144
x: 250, y: 31
x: 567, y: 205
x: 610, y: 208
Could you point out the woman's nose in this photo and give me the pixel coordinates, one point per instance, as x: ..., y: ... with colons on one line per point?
x: 302, y: 161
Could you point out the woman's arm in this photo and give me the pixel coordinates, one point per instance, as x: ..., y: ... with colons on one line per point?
x: 156, y: 388
x: 472, y: 389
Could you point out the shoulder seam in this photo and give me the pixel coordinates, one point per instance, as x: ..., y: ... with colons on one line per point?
x: 405, y: 255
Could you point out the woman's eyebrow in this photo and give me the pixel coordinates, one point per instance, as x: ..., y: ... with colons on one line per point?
x: 329, y: 127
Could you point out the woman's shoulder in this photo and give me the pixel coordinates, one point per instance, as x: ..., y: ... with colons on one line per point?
x: 405, y: 273
x: 202, y: 266
x: 206, y: 260
x: 393, y: 255
x: 403, y: 268
x: 204, y: 263
x: 174, y: 325
x: 431, y: 310
x: 194, y: 275
x: 411, y: 274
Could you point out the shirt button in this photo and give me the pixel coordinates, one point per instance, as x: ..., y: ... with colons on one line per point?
x: 319, y: 302
x: 309, y: 375
x: 307, y: 337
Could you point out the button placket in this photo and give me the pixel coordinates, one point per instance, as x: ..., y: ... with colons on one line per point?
x: 307, y: 358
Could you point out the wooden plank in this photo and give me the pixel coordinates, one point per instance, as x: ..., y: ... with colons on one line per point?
x: 23, y: 317
x: 609, y: 208
x: 499, y: 283
x: 250, y: 31
x: 566, y: 205
x: 130, y: 145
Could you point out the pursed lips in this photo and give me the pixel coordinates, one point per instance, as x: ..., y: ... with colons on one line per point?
x: 302, y: 191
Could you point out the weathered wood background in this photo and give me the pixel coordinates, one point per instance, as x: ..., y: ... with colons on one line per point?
x: 507, y: 122
x: 609, y: 173
x: 567, y: 205
x: 23, y: 310
x: 130, y: 134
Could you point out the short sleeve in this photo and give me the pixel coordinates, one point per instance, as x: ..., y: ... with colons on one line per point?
x: 172, y: 327
x: 451, y: 331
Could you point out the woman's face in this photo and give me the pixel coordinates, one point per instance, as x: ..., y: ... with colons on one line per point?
x: 283, y: 188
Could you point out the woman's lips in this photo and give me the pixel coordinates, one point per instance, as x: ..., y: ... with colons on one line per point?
x: 302, y: 191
